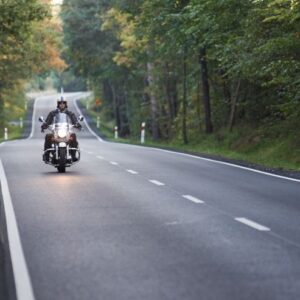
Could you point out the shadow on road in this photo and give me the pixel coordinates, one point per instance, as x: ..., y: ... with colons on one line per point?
x: 66, y: 174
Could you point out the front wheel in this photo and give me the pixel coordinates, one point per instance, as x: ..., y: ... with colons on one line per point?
x: 61, y: 169
x: 62, y: 154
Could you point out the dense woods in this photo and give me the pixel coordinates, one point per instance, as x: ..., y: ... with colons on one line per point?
x: 28, y: 46
x: 193, y: 70
x: 187, y: 66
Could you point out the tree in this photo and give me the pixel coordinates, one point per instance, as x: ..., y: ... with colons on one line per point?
x: 154, y: 59
x: 18, y: 51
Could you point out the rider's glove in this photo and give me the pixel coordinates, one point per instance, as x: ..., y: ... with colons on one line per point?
x: 43, y: 127
x: 78, y: 126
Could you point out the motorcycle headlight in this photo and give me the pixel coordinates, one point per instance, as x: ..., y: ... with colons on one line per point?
x: 62, y: 133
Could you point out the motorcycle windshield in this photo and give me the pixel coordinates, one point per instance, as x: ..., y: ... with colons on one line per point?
x: 61, y: 125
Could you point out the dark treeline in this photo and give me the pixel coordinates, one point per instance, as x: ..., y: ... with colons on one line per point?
x: 187, y: 67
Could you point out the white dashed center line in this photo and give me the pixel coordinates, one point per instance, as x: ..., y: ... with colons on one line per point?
x: 252, y: 224
x: 100, y: 157
x: 89, y: 152
x: 156, y: 182
x: 113, y: 163
x: 193, y: 199
x: 132, y: 172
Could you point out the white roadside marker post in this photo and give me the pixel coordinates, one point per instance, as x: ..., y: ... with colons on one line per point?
x: 116, y: 132
x: 5, y: 133
x: 98, y: 122
x: 21, y: 122
x: 26, y: 105
x: 143, y: 132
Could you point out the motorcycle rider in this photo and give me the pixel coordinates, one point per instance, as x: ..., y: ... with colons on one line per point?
x: 62, y: 107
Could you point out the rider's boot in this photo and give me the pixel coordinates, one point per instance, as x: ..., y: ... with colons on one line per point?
x: 74, y: 158
x: 46, y: 157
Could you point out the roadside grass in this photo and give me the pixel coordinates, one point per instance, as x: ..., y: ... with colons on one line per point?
x: 13, y: 112
x: 271, y: 145
x: 14, y: 132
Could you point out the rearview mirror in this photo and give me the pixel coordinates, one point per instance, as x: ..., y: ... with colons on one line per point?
x: 41, y: 119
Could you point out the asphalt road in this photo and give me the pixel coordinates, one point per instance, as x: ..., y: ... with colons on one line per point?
x: 131, y: 222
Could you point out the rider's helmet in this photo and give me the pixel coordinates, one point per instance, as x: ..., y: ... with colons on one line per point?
x: 62, y: 100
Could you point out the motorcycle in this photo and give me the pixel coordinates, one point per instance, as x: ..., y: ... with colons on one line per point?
x: 62, y: 153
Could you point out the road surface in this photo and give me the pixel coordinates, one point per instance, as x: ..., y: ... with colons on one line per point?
x: 131, y: 222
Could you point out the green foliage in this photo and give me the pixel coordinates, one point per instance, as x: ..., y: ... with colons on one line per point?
x: 68, y: 80
x: 19, y: 51
x: 132, y: 53
x: 13, y: 110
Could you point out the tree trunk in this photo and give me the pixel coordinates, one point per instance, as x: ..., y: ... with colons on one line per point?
x: 234, y: 101
x: 198, y: 105
x: 171, y: 93
x: 108, y: 97
x: 122, y: 109
x: 225, y: 87
x: 205, y: 90
x: 184, y: 100
x: 116, y: 106
x: 153, y: 101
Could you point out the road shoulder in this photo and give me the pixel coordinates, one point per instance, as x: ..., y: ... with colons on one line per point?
x: 275, y: 171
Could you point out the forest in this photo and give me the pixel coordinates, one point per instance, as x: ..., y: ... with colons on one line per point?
x: 220, y: 73
x: 29, y: 47
x: 184, y: 66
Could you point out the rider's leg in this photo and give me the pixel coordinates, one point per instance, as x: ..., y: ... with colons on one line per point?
x: 73, y: 144
x: 47, y: 145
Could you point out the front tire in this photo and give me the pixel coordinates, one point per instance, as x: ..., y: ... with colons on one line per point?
x: 61, y: 169
x: 62, y: 153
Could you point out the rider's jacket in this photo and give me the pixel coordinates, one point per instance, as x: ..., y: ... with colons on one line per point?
x: 52, y: 115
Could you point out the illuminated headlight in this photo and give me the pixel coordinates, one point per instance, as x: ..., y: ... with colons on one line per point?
x: 62, y: 133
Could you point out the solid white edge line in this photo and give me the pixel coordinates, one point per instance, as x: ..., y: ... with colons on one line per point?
x: 132, y: 172
x: 228, y: 164
x: 221, y: 162
x: 253, y: 224
x: 33, y: 120
x: 197, y: 157
x: 193, y: 199
x: 86, y: 123
x: 156, y: 182
x: 20, y: 271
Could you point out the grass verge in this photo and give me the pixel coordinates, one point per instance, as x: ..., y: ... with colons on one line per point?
x: 274, y: 146
x: 14, y: 132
